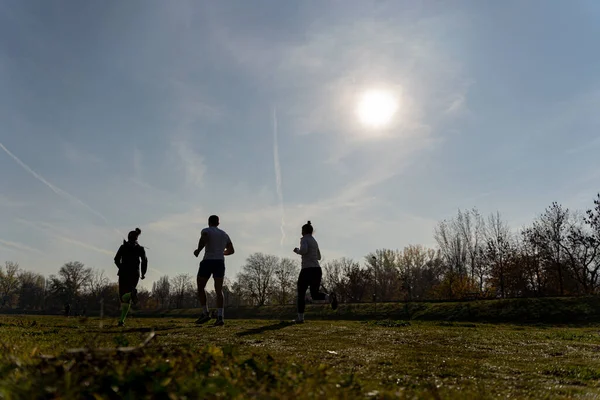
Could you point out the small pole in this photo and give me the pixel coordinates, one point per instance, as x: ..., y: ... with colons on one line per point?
x: 375, y: 301
x: 376, y: 284
x: 101, y: 312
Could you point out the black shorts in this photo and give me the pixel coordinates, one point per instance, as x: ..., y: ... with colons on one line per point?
x: 310, y: 277
x: 216, y: 268
x: 127, y: 283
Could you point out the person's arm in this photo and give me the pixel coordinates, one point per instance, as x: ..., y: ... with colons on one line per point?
x: 144, y: 262
x: 118, y: 257
x: 201, y: 243
x: 229, y: 250
x: 303, y: 247
x: 318, y: 254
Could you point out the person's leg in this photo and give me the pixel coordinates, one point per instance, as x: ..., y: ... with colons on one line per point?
x: 219, y: 277
x: 219, y: 295
x: 125, y: 287
x: 202, y: 281
x: 315, y: 284
x: 204, y: 273
x: 202, y: 278
x: 316, y: 275
x: 133, y: 284
x: 303, y: 284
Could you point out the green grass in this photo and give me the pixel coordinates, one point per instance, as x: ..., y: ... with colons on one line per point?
x: 265, y: 359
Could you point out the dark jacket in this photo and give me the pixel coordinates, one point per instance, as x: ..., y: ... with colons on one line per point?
x: 128, y: 259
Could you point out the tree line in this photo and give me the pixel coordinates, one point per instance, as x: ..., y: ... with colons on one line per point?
x: 557, y: 254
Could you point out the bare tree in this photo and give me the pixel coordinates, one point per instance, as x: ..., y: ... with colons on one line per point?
x: 582, y: 247
x: 72, y: 278
x: 257, y: 275
x: 97, y: 284
x: 161, y: 291
x: 549, y: 232
x: 230, y: 294
x: 237, y: 295
x: 180, y: 285
x: 285, y: 278
x: 461, y: 241
x: 529, y: 258
x: 357, y: 281
x: 333, y: 277
x: 31, y: 290
x: 429, y: 276
x: 9, y: 283
x: 453, y: 252
x: 347, y: 279
x: 471, y: 226
x: 413, y: 266
x: 144, y: 299
x: 383, y: 266
x: 592, y: 220
x: 499, y: 246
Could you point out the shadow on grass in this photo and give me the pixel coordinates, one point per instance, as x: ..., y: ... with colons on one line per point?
x: 261, y: 329
x: 116, y: 329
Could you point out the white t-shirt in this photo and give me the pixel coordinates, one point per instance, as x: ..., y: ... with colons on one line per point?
x: 216, y: 243
x: 309, y: 250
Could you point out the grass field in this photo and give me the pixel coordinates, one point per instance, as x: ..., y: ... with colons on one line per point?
x: 273, y: 359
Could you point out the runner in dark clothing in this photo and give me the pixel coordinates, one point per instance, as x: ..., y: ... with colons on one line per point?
x: 128, y: 261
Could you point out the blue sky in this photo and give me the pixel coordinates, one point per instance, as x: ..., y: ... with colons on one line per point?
x: 157, y: 114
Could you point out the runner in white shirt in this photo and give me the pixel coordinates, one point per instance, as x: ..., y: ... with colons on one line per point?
x: 311, y: 273
x: 216, y: 244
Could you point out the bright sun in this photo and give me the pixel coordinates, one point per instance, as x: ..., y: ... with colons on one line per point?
x: 376, y: 108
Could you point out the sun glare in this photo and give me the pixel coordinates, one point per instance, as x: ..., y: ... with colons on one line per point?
x: 376, y: 108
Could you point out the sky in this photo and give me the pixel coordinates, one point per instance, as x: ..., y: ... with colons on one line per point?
x: 155, y: 114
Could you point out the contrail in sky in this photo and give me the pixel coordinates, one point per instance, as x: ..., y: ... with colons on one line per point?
x: 56, y: 189
x: 278, y: 174
x: 18, y: 246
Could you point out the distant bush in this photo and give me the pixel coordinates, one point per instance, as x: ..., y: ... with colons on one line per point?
x: 526, y: 310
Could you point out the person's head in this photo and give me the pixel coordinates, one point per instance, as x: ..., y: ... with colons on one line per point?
x: 213, y: 220
x: 133, y: 235
x: 307, y: 229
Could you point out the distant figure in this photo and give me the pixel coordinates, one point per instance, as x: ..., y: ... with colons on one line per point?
x: 128, y: 261
x: 217, y: 245
x: 311, y: 273
x: 67, y: 309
